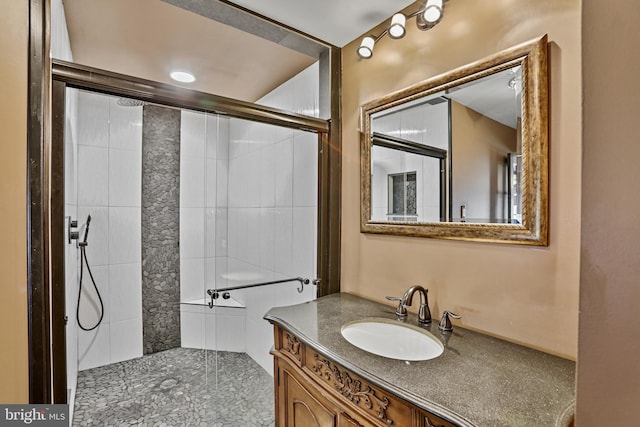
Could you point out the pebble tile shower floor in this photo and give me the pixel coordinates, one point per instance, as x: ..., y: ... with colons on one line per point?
x: 179, y: 387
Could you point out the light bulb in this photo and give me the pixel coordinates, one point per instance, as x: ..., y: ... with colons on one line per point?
x: 397, y: 29
x: 182, y: 77
x: 365, y: 50
x: 433, y: 11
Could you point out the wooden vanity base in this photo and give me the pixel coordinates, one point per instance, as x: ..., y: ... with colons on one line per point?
x: 312, y: 390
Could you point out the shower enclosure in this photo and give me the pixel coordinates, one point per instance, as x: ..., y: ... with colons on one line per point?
x: 201, y: 222
x: 248, y: 217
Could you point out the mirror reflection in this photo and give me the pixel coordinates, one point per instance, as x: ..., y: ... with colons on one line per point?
x: 451, y: 156
x: 462, y: 155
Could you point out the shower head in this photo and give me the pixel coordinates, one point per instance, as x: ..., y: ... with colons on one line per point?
x: 86, y: 231
x: 128, y: 102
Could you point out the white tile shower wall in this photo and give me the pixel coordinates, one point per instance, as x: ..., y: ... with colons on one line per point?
x: 425, y: 124
x: 299, y: 94
x: 109, y: 189
x: 220, y: 328
x: 71, y: 252
x: 272, y: 218
x: 203, y: 230
x: 203, y: 180
x: 261, y: 195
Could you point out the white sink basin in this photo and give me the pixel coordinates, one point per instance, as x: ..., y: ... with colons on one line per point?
x: 392, y: 339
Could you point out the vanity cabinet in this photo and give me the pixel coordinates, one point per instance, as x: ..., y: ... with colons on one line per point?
x: 301, y: 405
x: 321, y: 379
x: 312, y: 390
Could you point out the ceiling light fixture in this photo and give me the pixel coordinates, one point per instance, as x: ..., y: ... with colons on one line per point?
x: 433, y: 11
x: 366, y: 47
x: 430, y: 15
x: 182, y: 77
x: 397, y: 29
x: 427, y: 16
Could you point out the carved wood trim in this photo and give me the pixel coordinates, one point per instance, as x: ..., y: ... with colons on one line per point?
x: 355, y: 390
x: 292, y: 345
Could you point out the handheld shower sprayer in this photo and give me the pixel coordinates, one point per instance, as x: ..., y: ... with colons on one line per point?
x: 86, y: 232
x: 83, y: 261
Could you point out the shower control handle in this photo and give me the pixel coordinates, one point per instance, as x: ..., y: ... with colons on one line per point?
x: 72, y: 235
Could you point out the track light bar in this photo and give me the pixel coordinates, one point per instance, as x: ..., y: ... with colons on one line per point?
x: 427, y: 17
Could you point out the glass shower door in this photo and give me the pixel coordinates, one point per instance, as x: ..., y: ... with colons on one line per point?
x: 197, y: 183
x: 248, y: 217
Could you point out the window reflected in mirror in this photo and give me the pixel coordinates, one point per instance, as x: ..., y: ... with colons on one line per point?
x: 402, y: 197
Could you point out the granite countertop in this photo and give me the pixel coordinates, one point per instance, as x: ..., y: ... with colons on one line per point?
x: 478, y: 381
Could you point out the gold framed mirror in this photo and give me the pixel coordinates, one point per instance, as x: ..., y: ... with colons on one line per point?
x: 463, y: 155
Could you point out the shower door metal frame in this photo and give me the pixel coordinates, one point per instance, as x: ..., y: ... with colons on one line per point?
x: 42, y: 344
x: 45, y: 187
x: 110, y: 83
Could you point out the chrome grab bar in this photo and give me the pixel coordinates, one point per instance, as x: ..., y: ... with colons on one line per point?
x: 214, y: 293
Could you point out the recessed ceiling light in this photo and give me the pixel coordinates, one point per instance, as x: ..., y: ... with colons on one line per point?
x: 182, y: 77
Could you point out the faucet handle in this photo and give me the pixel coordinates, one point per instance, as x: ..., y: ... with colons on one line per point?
x: 401, y: 311
x: 445, y: 323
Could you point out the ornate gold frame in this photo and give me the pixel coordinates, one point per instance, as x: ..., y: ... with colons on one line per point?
x: 532, y: 55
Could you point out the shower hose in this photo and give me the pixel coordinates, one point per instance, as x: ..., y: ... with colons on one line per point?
x: 83, y: 260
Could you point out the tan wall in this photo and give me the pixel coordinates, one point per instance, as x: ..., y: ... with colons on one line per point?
x: 609, y: 343
x: 479, y: 149
x: 13, y: 226
x: 524, y: 294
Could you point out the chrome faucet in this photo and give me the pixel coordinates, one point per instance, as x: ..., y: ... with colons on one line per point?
x: 424, y: 314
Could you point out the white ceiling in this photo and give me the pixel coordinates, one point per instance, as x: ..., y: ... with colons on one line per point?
x: 151, y: 38
x: 493, y: 97
x: 236, y: 55
x: 230, y: 53
x: 335, y: 21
